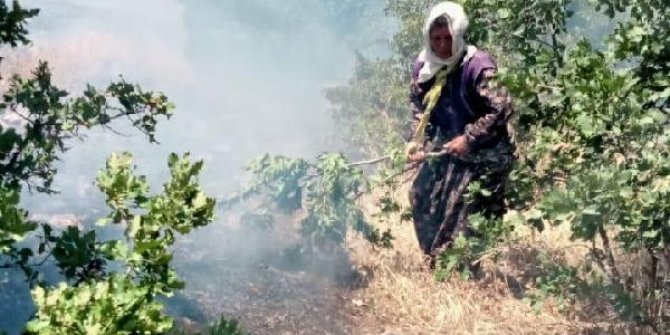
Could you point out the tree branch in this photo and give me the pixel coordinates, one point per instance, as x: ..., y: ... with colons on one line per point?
x: 116, y: 132
x: 408, y: 168
x: 370, y: 162
x: 615, y: 275
x: 545, y: 43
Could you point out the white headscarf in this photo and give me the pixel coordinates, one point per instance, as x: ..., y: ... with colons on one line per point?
x: 458, y: 23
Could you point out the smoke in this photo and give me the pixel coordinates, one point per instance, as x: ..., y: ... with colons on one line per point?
x: 246, y: 76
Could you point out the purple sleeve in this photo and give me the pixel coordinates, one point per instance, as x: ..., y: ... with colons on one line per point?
x: 493, y: 100
x: 480, y: 62
x: 416, y: 69
x: 416, y: 93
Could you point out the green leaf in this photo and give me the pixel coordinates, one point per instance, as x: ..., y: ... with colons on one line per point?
x: 651, y: 234
x: 36, y: 326
x: 503, y: 13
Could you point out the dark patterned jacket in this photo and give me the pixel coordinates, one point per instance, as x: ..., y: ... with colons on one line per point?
x: 470, y: 104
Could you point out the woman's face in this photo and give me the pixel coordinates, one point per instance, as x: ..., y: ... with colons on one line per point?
x: 440, y: 41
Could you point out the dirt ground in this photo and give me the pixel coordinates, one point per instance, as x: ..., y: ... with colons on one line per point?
x: 259, y: 279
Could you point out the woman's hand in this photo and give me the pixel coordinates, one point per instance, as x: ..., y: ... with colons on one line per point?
x: 458, y: 146
x: 414, y: 152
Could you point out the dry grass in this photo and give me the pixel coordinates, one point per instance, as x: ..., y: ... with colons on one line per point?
x: 402, y: 296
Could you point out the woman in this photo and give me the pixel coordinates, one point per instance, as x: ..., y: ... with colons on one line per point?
x: 461, y: 134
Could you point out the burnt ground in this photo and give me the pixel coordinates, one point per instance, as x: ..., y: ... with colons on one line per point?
x: 256, y: 278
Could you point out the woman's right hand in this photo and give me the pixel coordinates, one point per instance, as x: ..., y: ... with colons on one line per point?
x: 414, y: 151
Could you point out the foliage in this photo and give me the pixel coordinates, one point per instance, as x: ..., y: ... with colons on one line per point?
x: 326, y: 191
x: 14, y: 224
x: 457, y: 258
x: 107, y: 286
x: 116, y: 305
x: 121, y: 299
x: 566, y: 285
x: 12, y: 23
x: 596, y: 120
x: 555, y: 280
x: 466, y: 252
x: 49, y: 119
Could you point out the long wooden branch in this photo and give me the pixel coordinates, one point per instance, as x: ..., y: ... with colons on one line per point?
x: 370, y: 161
